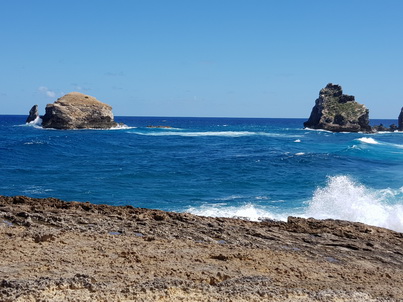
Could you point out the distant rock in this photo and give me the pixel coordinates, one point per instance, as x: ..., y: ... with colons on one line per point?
x: 338, y: 112
x: 163, y: 127
x: 78, y: 111
x: 382, y: 128
x: 33, y: 114
x: 400, y: 121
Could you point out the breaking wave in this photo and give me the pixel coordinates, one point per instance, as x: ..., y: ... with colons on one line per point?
x: 247, y: 211
x: 368, y: 140
x: 341, y: 198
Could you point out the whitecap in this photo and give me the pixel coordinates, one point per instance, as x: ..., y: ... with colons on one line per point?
x: 319, y: 130
x: 34, y: 143
x: 121, y: 127
x: 368, y: 140
x: 168, y: 132
x: 199, y: 134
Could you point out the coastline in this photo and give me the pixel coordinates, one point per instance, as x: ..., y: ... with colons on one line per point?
x: 54, y: 250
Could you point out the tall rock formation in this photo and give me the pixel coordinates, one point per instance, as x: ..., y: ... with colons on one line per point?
x: 400, y: 121
x: 33, y: 114
x: 338, y: 112
x: 78, y: 111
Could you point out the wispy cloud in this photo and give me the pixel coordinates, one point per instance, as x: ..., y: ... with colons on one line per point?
x: 46, y: 91
x: 79, y: 87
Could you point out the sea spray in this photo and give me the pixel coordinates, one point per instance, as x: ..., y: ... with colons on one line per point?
x: 247, y: 211
x: 343, y: 198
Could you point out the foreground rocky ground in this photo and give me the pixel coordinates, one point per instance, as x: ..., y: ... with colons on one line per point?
x: 51, y: 250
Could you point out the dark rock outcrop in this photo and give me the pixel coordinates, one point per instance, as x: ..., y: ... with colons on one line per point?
x: 382, y: 128
x: 338, y: 112
x: 33, y: 114
x: 400, y: 121
x: 78, y: 111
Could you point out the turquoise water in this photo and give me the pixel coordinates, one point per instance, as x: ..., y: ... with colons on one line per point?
x: 253, y: 168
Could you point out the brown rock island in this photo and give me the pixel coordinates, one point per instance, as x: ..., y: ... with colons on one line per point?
x: 52, y: 250
x: 78, y: 111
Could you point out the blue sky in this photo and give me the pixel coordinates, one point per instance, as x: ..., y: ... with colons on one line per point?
x: 221, y: 58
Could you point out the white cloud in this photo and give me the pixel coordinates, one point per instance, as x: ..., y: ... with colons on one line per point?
x: 78, y: 87
x: 46, y: 91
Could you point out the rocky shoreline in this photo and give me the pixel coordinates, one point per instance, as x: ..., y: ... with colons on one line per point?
x: 52, y: 250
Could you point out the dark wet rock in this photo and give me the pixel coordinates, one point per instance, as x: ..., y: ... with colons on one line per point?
x: 393, y: 127
x: 78, y: 111
x: 33, y: 114
x: 338, y: 112
x: 382, y: 128
x: 161, y: 127
x: 400, y: 121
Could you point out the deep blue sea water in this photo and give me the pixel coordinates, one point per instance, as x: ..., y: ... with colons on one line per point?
x: 253, y: 168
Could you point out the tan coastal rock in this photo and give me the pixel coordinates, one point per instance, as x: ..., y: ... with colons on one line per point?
x: 76, y: 110
x: 53, y: 250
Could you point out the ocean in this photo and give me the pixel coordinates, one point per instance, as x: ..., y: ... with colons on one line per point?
x: 227, y: 167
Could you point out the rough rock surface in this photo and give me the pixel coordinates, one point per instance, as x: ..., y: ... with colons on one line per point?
x: 78, y: 111
x: 338, y: 112
x: 53, y: 250
x: 400, y: 121
x: 33, y: 114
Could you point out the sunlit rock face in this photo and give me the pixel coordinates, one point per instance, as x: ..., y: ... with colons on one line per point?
x: 76, y: 110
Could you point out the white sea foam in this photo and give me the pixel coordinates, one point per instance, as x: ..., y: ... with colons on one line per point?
x: 34, y: 143
x: 168, y: 132
x: 197, y: 134
x: 121, y: 127
x: 342, y: 198
x: 368, y: 140
x: 37, y: 123
x: 247, y: 211
x: 36, y: 190
x: 300, y: 153
x: 297, y: 141
x: 318, y: 130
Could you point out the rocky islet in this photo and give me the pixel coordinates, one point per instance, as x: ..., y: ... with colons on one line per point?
x: 338, y: 112
x: 333, y: 111
x: 76, y: 110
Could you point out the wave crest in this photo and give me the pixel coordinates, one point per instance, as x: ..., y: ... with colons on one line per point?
x: 343, y: 198
x: 368, y: 140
